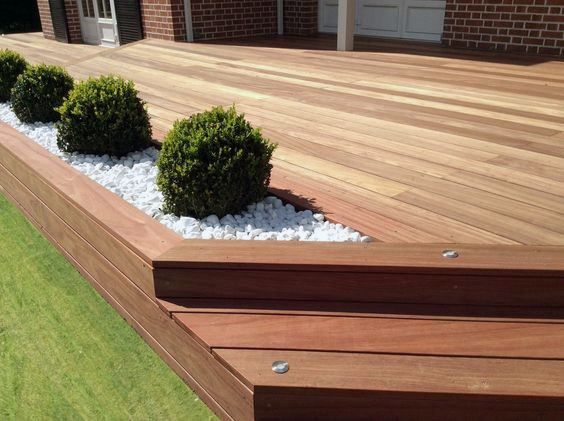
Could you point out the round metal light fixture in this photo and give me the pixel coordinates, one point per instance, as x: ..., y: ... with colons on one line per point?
x: 280, y: 367
x: 450, y: 254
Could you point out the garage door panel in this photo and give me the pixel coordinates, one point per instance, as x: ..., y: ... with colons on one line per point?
x: 424, y: 19
x: 380, y: 18
x: 328, y: 15
x: 415, y: 19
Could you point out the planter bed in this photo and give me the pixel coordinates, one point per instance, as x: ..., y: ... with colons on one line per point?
x: 133, y: 179
x: 159, y: 281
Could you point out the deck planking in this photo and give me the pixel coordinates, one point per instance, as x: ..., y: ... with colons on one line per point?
x: 380, y: 334
x: 409, y: 143
x: 406, y: 142
x: 374, y: 330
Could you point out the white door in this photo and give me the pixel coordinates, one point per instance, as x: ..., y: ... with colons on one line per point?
x: 107, y: 23
x: 98, y: 23
x: 414, y: 19
x: 380, y: 18
x: 328, y: 15
x: 423, y: 19
x: 88, y: 22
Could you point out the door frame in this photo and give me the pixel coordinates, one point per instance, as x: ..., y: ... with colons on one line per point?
x: 98, y: 21
x: 83, y: 18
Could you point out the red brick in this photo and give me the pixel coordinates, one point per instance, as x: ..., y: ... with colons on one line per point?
x: 553, y: 18
x: 233, y: 18
x: 523, y: 26
x: 550, y: 50
x: 552, y: 34
x: 537, y: 9
x: 516, y: 48
x: 533, y: 41
x: 498, y: 38
x: 484, y: 24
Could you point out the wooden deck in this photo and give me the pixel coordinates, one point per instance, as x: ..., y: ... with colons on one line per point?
x: 369, y: 330
x: 410, y: 143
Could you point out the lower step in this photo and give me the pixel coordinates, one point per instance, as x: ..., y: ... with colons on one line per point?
x: 345, y: 386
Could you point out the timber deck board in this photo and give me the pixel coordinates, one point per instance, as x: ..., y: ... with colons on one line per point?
x: 378, y: 385
x: 338, y: 333
x: 382, y: 372
x: 389, y: 140
x: 362, y: 309
x: 408, y: 143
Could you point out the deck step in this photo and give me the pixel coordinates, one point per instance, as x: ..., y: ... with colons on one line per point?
x: 344, y: 386
x: 378, y: 359
x: 494, y: 275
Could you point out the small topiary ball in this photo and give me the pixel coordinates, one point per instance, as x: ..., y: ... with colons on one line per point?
x: 213, y: 163
x: 11, y: 66
x: 39, y: 91
x: 104, y: 116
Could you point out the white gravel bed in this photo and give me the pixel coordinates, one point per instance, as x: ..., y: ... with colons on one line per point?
x: 133, y: 178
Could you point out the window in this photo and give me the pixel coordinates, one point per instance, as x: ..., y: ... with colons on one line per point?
x: 88, y: 8
x: 104, y: 9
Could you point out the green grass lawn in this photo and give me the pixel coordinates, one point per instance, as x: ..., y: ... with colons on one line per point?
x: 64, y: 352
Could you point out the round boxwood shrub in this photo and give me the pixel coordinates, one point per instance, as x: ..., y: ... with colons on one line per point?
x: 104, y: 116
x: 214, y: 162
x: 11, y: 66
x: 39, y: 91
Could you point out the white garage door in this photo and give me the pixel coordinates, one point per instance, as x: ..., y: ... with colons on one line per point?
x: 415, y: 19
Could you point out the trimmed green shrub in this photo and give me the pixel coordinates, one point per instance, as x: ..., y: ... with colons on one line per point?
x: 39, y: 91
x: 104, y: 116
x: 11, y: 66
x: 213, y: 163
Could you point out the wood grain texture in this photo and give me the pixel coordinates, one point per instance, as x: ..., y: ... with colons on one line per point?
x: 406, y: 142
x: 281, y: 255
x: 128, y: 237
x: 406, y: 387
x: 363, y: 309
x: 275, y: 403
x: 137, y: 228
x: 388, y: 372
x: 459, y: 289
x: 475, y: 338
x: 400, y: 273
x: 411, y: 144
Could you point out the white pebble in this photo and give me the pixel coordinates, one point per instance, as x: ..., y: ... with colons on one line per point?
x: 212, y: 220
x: 133, y: 178
x: 318, y: 217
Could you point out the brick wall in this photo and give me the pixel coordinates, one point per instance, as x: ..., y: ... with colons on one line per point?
x: 519, y: 26
x: 163, y: 19
x: 215, y: 19
x: 300, y: 17
x: 45, y: 16
x: 73, y: 21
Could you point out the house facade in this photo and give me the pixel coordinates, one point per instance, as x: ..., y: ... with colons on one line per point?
x: 517, y: 26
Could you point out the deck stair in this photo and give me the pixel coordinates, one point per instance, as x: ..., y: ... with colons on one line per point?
x: 422, y: 342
